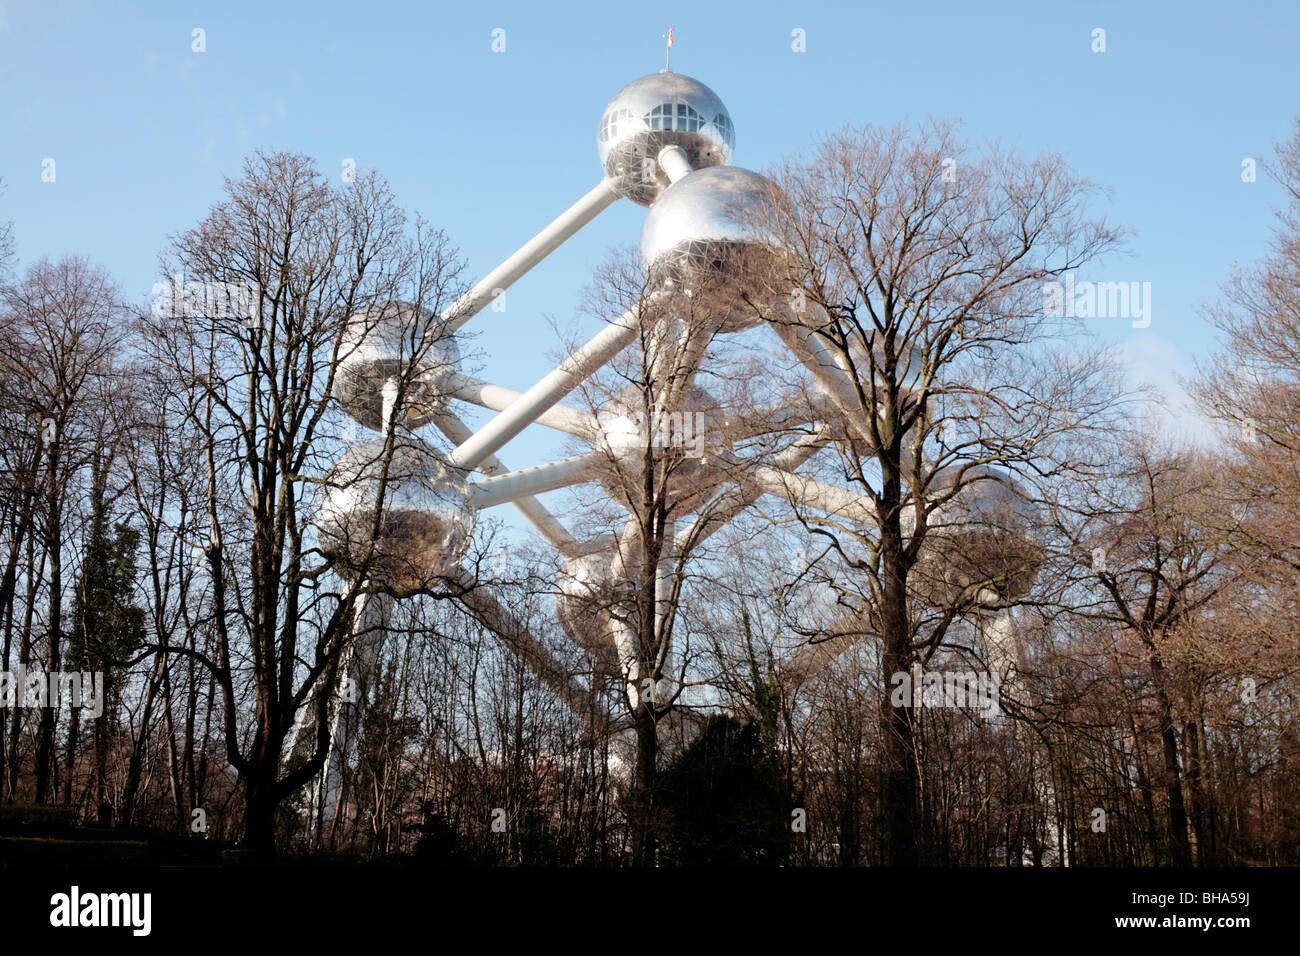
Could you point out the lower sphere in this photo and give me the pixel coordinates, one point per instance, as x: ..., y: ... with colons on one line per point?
x: 424, y: 528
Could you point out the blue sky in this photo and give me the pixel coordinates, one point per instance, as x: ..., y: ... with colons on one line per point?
x: 491, y: 146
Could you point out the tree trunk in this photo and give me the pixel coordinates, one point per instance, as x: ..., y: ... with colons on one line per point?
x: 896, y: 723
x: 1205, y: 816
x: 173, y: 758
x: 135, y: 765
x: 260, y: 803
x: 74, y: 730
x: 1179, y: 847
x: 45, y: 740
x: 643, y: 797
x: 900, y: 784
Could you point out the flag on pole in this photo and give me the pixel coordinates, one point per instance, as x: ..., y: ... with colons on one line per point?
x: 670, y: 36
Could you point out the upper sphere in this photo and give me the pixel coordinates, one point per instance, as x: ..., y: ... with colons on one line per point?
x: 662, y: 109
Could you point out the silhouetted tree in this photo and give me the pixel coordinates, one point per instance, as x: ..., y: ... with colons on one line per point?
x: 724, y: 799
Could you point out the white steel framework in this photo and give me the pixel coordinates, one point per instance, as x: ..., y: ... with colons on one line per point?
x: 665, y: 142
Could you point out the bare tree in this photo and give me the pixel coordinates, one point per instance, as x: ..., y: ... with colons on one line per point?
x: 1147, y: 550
x: 65, y: 321
x: 6, y: 243
x: 668, y: 448
x: 914, y: 295
x: 1252, y: 387
x: 267, y: 283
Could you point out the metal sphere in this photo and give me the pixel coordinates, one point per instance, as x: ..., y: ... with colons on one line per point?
x: 378, y: 349
x: 909, y: 363
x: 662, y: 109
x: 706, y: 237
x: 990, y: 497
x: 588, y: 590
x: 427, y: 520
x: 983, y: 534
x: 857, y: 366
x: 684, y: 438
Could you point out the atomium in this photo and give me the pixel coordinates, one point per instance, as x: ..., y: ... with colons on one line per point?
x: 711, y: 250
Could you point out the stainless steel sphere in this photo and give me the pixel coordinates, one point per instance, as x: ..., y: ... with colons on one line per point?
x: 990, y: 498
x: 983, y: 535
x: 708, y: 236
x: 426, y: 522
x: 377, y: 349
x: 662, y: 109
x: 908, y: 370
x: 682, y: 440
x: 908, y: 367
x: 587, y: 592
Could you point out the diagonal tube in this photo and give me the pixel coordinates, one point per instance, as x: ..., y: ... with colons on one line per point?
x: 571, y: 373
x: 814, y: 493
x: 529, y: 254
x: 532, y: 509
x: 517, y: 638
x: 498, y: 398
x: 537, y: 480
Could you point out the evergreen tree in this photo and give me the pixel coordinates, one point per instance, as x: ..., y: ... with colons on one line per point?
x: 725, y: 800
x: 106, y: 627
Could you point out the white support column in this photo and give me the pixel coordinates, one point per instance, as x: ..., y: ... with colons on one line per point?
x: 828, y: 368
x: 665, y: 571
x: 357, y: 664
x: 541, y: 519
x: 391, y: 387
x: 325, y: 789
x: 526, y: 482
x: 675, y: 163
x: 498, y: 398
x: 529, y: 254
x: 692, y: 343
x: 602, y: 542
x: 571, y: 373
x: 622, y: 562
x: 1001, y: 648
x: 629, y: 660
x: 1002, y: 652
